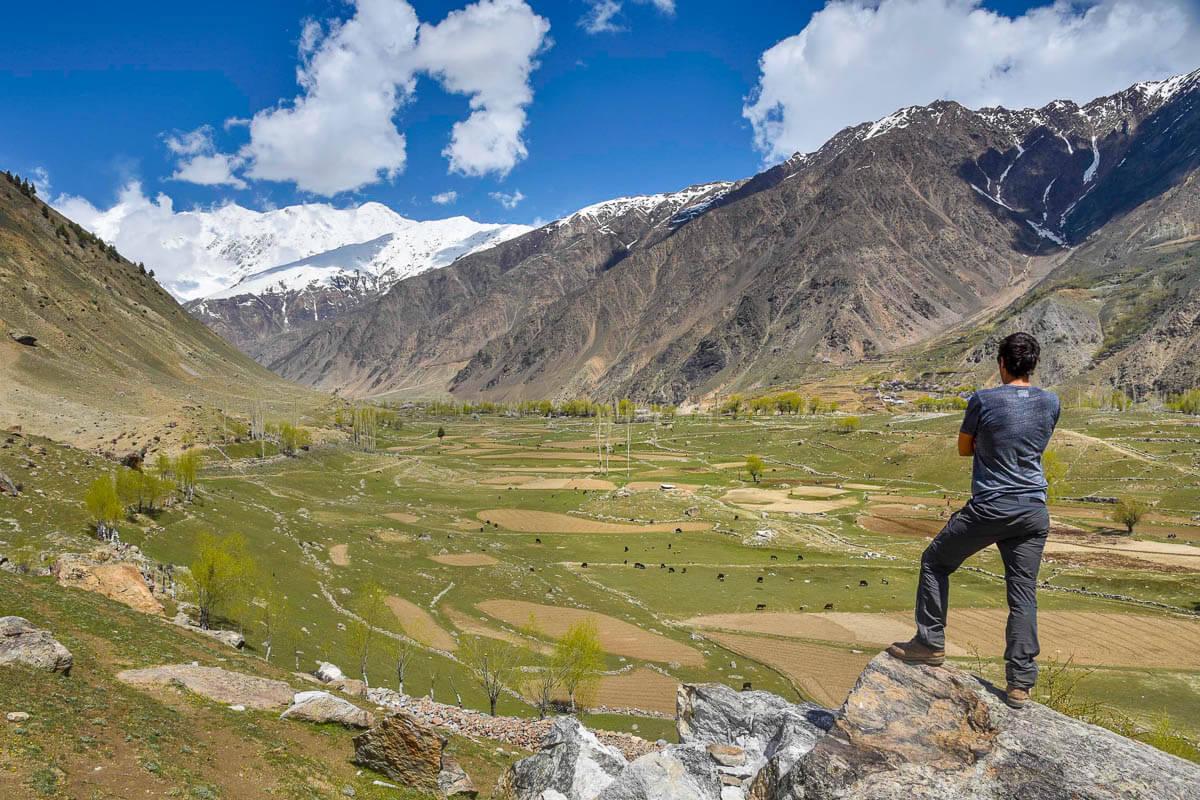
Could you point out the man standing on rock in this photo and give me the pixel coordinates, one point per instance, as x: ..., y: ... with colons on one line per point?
x: 1006, y: 430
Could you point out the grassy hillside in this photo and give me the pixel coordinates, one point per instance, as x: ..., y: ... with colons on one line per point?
x: 115, y: 357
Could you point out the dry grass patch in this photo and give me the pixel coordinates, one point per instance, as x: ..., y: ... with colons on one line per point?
x: 805, y: 490
x: 527, y: 521
x: 844, y: 627
x: 729, y: 465
x: 477, y: 627
x: 826, y: 674
x: 616, y: 636
x: 391, y: 537
x: 1090, y: 638
x: 583, y: 456
x: 508, y: 480
x: 592, y: 484
x: 403, y: 516
x: 866, y: 487
x: 780, y: 501
x: 420, y: 625
x: 1172, y: 555
x: 901, y: 526
x: 465, y: 559
x: 339, y: 554
x: 641, y: 688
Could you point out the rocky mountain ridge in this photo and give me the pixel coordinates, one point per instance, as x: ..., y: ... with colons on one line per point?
x: 933, y: 219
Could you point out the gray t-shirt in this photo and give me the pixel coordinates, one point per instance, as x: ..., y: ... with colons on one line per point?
x: 1012, y: 426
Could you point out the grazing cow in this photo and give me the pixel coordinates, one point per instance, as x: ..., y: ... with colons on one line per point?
x: 533, y: 569
x: 670, y: 570
x: 720, y: 576
x: 829, y: 606
x: 799, y: 557
x: 862, y: 583
x: 583, y: 565
x: 662, y: 565
x: 626, y: 548
x: 774, y: 558
x: 884, y: 581
x: 537, y: 540
x: 761, y: 607
x: 1170, y: 536
x: 684, y: 569
x: 746, y: 686
x: 627, y: 561
x: 638, y: 565
x: 759, y: 579
x: 668, y: 545
x: 679, y: 530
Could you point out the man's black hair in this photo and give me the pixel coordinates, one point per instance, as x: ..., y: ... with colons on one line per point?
x: 1019, y: 353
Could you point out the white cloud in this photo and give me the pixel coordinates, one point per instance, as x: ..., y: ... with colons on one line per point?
x: 151, y: 231
x: 339, y: 134
x: 601, y: 16
x: 41, y: 181
x: 858, y: 60
x: 508, y: 200
x: 200, y: 163
x: 487, y: 51
x: 445, y: 198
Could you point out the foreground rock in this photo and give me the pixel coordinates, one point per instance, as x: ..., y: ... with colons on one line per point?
x: 933, y: 733
x: 767, y: 728
x: 22, y: 643
x: 321, y: 707
x: 219, y: 685
x: 412, y: 754
x: 120, y: 581
x: 904, y: 733
x: 572, y: 763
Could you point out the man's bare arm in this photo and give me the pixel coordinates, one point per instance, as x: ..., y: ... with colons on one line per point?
x: 966, y: 444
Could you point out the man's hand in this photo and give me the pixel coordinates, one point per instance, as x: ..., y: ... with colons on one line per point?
x: 966, y: 444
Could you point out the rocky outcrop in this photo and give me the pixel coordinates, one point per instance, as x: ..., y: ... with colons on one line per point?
x: 412, y: 754
x: 22, y: 643
x: 120, y: 581
x: 7, y: 486
x: 572, y: 764
x: 938, y: 733
x: 904, y: 733
x: 183, y: 618
x: 679, y: 772
x: 219, y: 685
x: 321, y: 707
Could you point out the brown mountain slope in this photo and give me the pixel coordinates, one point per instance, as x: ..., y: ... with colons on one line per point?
x: 892, y: 233
x: 115, y: 355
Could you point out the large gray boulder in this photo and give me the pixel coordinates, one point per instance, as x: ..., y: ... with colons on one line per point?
x: 22, y: 643
x: 911, y: 732
x: 321, y: 707
x: 678, y: 772
x: 771, y: 731
x: 572, y: 764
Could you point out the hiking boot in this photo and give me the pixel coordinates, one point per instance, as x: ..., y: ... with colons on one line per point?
x: 1016, y: 697
x: 915, y: 651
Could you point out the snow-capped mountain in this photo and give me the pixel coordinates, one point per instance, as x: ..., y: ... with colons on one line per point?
x: 299, y: 247
x: 269, y: 273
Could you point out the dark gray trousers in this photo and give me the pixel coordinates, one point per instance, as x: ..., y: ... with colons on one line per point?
x: 1018, y: 526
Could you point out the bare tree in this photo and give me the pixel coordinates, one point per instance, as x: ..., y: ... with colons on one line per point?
x: 494, y: 664
x: 404, y: 656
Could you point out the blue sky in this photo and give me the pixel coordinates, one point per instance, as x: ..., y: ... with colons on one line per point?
x: 667, y: 94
